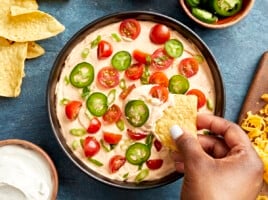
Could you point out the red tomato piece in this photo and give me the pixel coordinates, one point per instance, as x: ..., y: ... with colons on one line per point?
x: 154, y: 163
x: 123, y: 95
x: 159, y: 78
x: 188, y: 67
x: 134, y: 72
x: 136, y: 136
x: 159, y: 92
x: 157, y: 145
x: 140, y: 56
x: 160, y: 60
x: 130, y: 28
x: 113, y: 114
x: 72, y: 109
x: 94, y: 125
x: 91, y: 146
x: 116, y: 162
x: 111, y: 138
x: 201, y: 98
x: 104, y: 49
x: 159, y: 34
x: 108, y: 77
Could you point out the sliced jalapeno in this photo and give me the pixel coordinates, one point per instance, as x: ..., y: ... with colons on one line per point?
x: 82, y: 75
x: 178, y: 84
x: 136, y: 112
x: 137, y: 153
x: 174, y: 48
x: 204, y: 15
x: 97, y: 104
x: 121, y: 60
x: 226, y: 8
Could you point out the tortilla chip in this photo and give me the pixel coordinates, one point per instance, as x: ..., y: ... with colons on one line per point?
x: 34, y: 50
x: 12, y: 68
x: 31, y: 4
x: 4, y: 42
x: 183, y: 113
x: 22, y: 24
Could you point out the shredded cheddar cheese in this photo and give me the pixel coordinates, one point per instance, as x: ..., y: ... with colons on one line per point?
x: 256, y: 126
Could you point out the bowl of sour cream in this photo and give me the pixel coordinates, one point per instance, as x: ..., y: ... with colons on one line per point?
x: 26, y: 172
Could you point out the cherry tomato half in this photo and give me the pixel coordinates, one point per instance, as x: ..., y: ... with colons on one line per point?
x: 72, y: 109
x: 159, y: 78
x: 91, y: 146
x: 157, y: 145
x: 201, y: 98
x: 135, y: 71
x: 116, y: 162
x: 154, y: 163
x: 188, y: 67
x: 135, y: 135
x: 111, y: 138
x: 160, y: 60
x: 108, y: 77
x: 113, y: 114
x: 94, y: 125
x: 123, y: 95
x: 104, y: 49
x: 159, y: 34
x: 159, y: 92
x: 130, y: 28
x: 141, y: 56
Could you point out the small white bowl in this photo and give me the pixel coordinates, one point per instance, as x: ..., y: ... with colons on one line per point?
x: 33, y: 154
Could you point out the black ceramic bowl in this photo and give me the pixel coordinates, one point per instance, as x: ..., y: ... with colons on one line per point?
x: 79, y: 36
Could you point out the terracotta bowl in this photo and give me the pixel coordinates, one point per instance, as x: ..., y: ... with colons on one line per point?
x: 30, y: 146
x: 222, y: 22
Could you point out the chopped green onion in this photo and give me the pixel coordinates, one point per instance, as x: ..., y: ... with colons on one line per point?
x: 142, y: 175
x: 199, y: 58
x: 104, y: 146
x: 148, y: 60
x: 95, y: 162
x: 66, y: 80
x: 149, y: 140
x: 116, y: 37
x: 85, y: 92
x: 125, y: 176
x: 111, y: 96
x: 210, y: 104
x: 122, y: 84
x: 85, y: 53
x: 145, y: 75
x: 206, y: 132
x: 75, y: 144
x: 82, y: 142
x: 120, y: 124
x: 78, y: 131
x: 64, y: 101
x: 95, y: 42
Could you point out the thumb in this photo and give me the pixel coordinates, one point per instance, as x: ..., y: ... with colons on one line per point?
x: 187, y: 143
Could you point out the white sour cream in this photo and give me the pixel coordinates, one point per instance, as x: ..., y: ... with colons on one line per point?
x: 24, y: 174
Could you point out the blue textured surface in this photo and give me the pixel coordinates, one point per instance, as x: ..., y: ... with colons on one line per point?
x: 237, y: 50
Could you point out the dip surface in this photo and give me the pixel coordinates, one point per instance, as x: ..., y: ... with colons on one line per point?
x: 24, y: 174
x: 66, y: 92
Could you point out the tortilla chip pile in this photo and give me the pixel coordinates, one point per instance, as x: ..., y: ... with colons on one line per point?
x: 21, y: 23
x: 256, y: 126
x: 183, y: 113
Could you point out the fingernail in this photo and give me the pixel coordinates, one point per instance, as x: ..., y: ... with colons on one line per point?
x: 175, y: 132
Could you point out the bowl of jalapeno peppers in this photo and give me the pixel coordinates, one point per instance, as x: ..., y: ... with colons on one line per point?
x: 217, y: 14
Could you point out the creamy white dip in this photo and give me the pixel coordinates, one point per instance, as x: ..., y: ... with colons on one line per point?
x: 202, y: 81
x: 24, y: 174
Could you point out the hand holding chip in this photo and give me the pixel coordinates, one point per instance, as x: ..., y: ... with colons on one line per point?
x: 222, y: 167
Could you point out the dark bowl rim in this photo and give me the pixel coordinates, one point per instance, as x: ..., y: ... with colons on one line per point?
x: 105, y: 20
